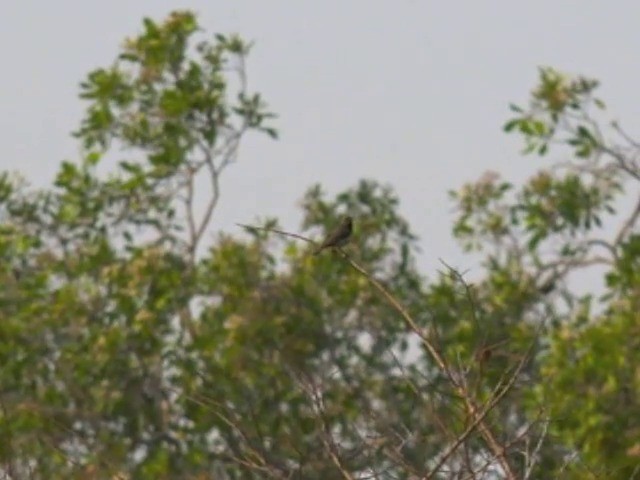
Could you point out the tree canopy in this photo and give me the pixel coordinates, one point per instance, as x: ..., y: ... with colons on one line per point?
x: 133, y: 345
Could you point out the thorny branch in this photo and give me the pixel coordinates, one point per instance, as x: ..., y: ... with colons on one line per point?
x: 477, y: 413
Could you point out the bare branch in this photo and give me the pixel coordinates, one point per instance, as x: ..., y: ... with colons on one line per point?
x: 530, y: 459
x: 280, y: 232
x: 628, y: 225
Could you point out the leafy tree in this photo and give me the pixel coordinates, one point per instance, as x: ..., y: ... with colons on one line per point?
x: 589, y: 365
x: 133, y: 349
x: 98, y: 314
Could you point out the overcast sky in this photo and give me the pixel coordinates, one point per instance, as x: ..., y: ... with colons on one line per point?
x: 409, y: 92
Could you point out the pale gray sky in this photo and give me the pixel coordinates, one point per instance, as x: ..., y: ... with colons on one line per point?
x: 409, y: 92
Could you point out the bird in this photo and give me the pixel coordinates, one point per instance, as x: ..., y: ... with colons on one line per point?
x: 338, y: 237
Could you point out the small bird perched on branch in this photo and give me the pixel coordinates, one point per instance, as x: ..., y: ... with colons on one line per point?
x: 338, y: 237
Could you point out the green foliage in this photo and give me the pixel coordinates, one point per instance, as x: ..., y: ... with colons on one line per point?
x: 596, y: 363
x: 558, y: 114
x: 128, y: 353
